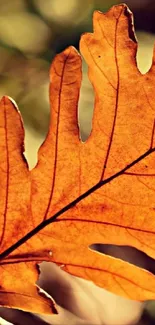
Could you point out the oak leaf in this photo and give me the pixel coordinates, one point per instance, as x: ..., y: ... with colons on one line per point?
x: 100, y: 191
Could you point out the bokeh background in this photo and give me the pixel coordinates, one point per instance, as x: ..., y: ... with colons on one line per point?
x: 32, y: 32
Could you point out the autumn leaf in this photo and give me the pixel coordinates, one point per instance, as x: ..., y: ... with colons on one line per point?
x: 79, y: 194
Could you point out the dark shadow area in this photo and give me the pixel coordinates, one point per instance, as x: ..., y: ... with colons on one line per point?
x: 128, y: 254
x: 18, y: 317
x: 58, y: 284
x: 146, y: 319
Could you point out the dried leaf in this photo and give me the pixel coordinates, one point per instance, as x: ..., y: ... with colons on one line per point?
x: 100, y: 191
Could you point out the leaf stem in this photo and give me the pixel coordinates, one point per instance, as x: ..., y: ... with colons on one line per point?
x: 46, y: 222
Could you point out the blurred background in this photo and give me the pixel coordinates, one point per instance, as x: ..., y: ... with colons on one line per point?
x: 32, y: 32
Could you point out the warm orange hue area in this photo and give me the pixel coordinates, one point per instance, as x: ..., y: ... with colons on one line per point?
x: 122, y: 211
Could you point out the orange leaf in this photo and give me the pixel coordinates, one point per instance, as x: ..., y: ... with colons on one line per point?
x: 100, y: 191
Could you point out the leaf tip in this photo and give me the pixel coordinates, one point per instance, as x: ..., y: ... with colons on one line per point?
x: 114, y: 11
x: 70, y: 52
x: 123, y: 9
x: 69, y: 55
x: 6, y: 100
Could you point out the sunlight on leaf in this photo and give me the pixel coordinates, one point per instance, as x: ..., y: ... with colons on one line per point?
x: 99, y: 191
